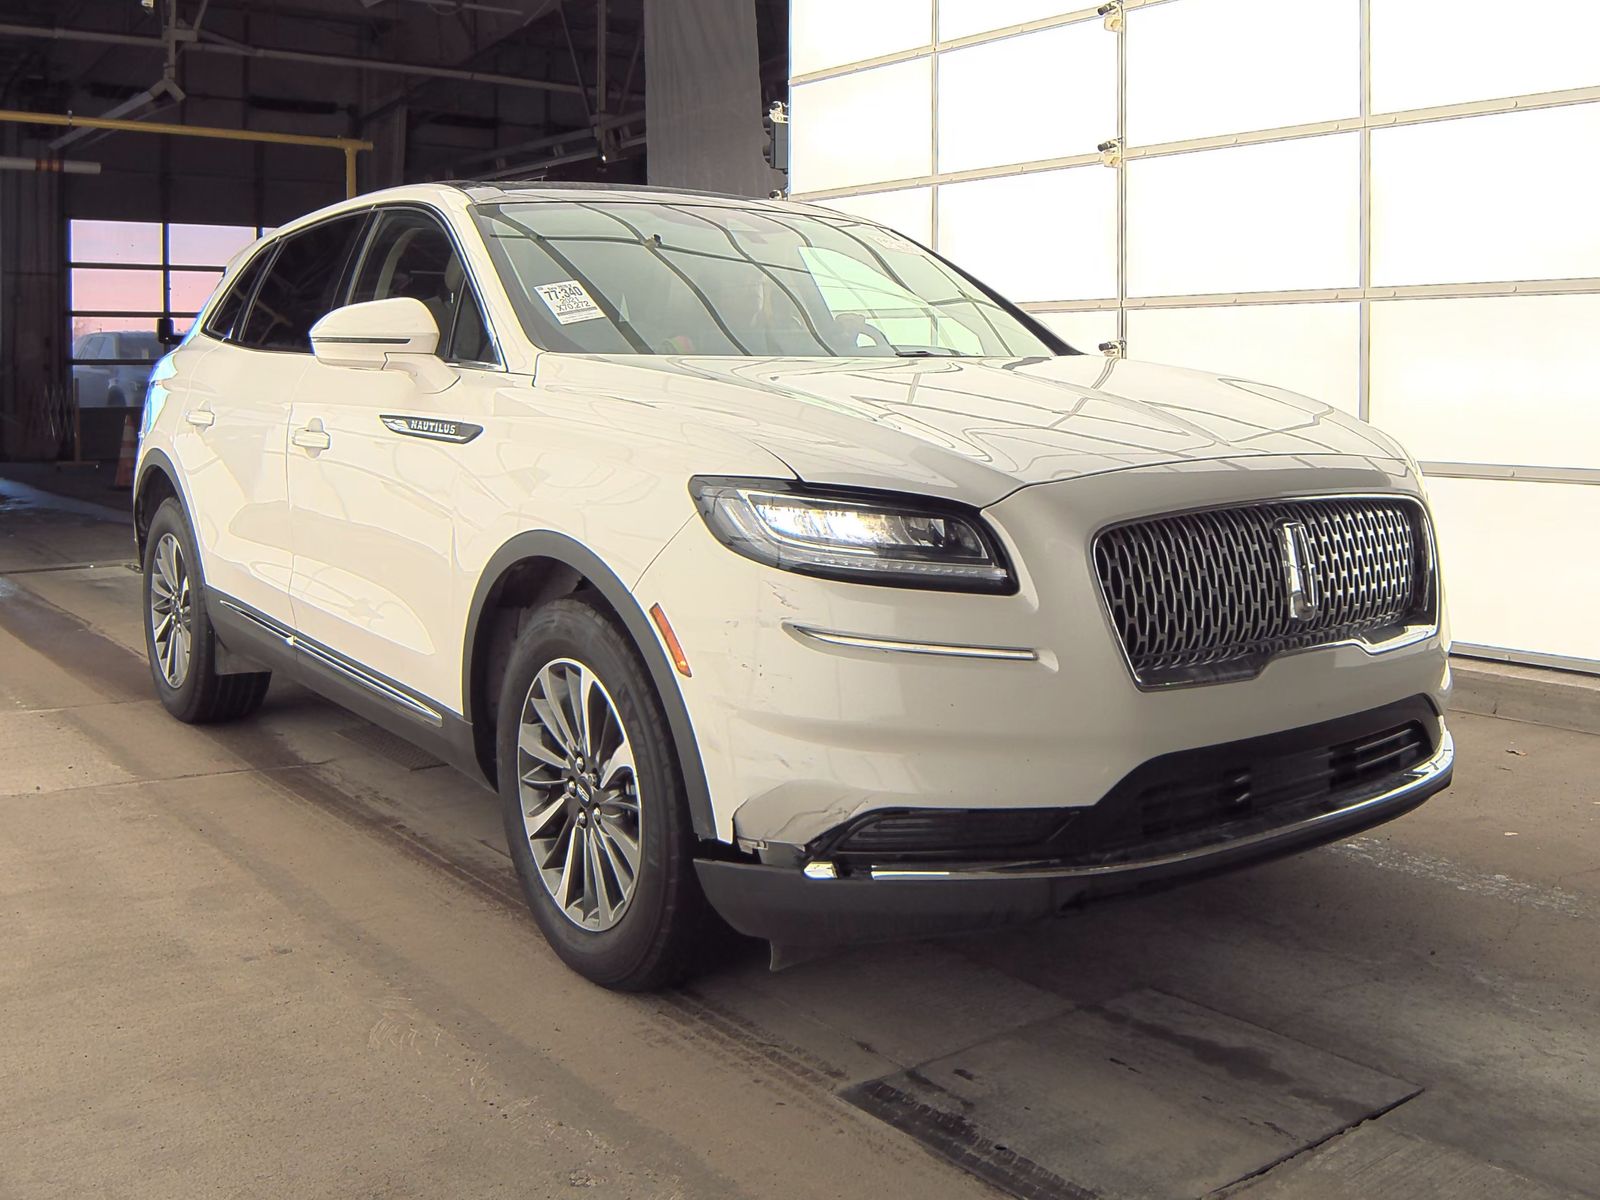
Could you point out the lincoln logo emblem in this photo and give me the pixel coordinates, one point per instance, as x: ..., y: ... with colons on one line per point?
x: 1299, y: 571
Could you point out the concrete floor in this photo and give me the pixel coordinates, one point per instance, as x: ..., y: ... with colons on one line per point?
x: 284, y: 959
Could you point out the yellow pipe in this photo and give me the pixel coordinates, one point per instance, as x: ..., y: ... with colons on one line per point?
x: 350, y: 146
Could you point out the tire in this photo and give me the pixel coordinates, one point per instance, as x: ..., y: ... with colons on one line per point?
x: 556, y: 804
x: 182, y: 653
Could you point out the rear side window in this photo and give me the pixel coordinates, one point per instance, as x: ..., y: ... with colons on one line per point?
x: 302, y: 285
x: 411, y: 254
x: 225, y: 317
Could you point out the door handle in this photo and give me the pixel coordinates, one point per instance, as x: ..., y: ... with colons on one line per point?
x: 202, y: 418
x: 313, y: 437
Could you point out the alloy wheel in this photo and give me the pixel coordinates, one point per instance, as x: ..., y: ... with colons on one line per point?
x: 580, y: 794
x: 171, y: 611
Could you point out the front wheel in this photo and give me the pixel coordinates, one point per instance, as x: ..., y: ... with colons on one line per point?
x: 594, y: 808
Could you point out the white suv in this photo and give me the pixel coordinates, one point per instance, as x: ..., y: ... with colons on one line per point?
x: 767, y: 564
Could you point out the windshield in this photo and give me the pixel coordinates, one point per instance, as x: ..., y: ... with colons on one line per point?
x: 648, y: 277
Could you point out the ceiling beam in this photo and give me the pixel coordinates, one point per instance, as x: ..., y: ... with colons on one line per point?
x: 212, y: 44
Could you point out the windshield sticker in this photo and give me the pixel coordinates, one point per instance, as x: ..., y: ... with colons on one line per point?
x: 887, y: 238
x: 569, y: 302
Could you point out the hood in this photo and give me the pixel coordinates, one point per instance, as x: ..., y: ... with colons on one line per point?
x: 976, y: 429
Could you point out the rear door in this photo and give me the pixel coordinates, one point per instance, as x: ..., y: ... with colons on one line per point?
x: 375, y: 491
x: 233, y: 436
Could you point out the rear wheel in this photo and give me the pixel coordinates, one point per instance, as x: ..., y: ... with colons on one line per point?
x: 594, y: 807
x: 178, y: 634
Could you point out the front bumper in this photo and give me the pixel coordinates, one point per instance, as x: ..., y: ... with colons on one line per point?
x: 789, y: 907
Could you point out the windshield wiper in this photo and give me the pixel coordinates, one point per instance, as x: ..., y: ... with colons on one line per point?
x: 922, y: 352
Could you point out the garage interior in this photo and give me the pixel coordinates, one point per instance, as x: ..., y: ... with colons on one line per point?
x: 291, y: 958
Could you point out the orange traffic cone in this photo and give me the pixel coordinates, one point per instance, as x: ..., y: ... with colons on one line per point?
x: 125, y: 457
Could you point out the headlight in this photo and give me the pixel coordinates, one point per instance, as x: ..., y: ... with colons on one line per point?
x: 865, y: 538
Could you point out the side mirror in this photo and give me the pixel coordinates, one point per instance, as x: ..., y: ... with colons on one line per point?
x: 397, y: 334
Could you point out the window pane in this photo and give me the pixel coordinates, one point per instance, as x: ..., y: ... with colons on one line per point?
x: 188, y: 291
x: 1248, y: 219
x: 830, y: 33
x: 207, y: 245
x: 225, y: 316
x: 1205, y: 67
x: 1045, y: 236
x: 1506, y: 380
x: 412, y: 256
x: 80, y: 327
x: 113, y: 290
x: 1060, y: 90
x: 1430, y: 52
x: 471, y: 342
x: 1511, y: 574
x: 1083, y: 330
x: 959, y: 18
x: 1313, y: 349
x: 910, y: 211
x: 1486, y: 198
x: 301, y: 286
x: 114, y: 242
x: 103, y: 385
x: 874, y: 125
x: 98, y: 382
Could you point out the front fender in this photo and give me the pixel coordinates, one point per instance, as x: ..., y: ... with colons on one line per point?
x: 560, y: 548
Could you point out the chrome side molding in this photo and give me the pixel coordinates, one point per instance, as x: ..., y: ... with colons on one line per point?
x: 350, y: 671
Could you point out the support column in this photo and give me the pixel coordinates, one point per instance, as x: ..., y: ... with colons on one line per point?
x: 703, y: 97
x: 33, y: 321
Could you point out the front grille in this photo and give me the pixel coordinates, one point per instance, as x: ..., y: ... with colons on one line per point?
x: 1204, y: 596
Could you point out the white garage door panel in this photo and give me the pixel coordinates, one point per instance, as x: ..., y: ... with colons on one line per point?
x: 1431, y: 52
x: 1040, y: 95
x: 1203, y: 67
x: 961, y: 18
x: 1308, y: 348
x: 1083, y: 330
x: 1504, y: 380
x: 1247, y: 260
x: 1256, y: 218
x: 1488, y: 198
x: 1511, y: 576
x: 863, y: 128
x: 830, y: 33
x: 909, y: 210
x: 1046, y: 236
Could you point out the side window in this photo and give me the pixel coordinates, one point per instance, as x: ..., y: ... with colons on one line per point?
x: 470, y: 343
x: 225, y: 317
x: 301, y: 286
x: 410, y: 254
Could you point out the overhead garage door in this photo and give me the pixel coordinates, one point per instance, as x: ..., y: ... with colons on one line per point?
x: 1387, y: 204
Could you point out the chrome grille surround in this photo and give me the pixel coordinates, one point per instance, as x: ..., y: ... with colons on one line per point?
x: 1201, y: 596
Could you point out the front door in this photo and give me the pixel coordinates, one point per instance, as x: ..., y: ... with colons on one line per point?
x: 376, y: 467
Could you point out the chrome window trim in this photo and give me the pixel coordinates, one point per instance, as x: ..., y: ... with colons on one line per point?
x: 1405, y: 635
